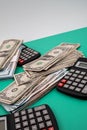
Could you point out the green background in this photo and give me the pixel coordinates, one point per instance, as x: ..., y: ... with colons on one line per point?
x: 71, y: 113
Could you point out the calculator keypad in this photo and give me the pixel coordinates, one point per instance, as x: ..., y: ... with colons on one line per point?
x: 38, y: 118
x: 74, y: 81
x: 27, y: 55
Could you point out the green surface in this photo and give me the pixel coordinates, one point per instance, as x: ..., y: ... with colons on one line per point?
x: 71, y: 113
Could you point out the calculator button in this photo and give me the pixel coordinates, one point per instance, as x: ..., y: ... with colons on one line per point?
x: 32, y: 54
x: 69, y: 82
x: 25, y: 58
x: 71, y: 87
x: 49, y: 123
x: 83, y: 73
x: 66, y: 77
x: 77, y: 71
x: 39, y: 119
x: 74, y: 83
x: 78, y: 89
x: 69, y: 74
x: 77, y: 80
x: 25, y: 123
x: 34, y: 127
x: 83, y: 81
x: 17, y: 120
x: 35, y: 52
x: 85, y: 90
x: 26, y: 128
x: 32, y: 121
x: 29, y: 56
x: 60, y: 84
x: 18, y: 126
x: 38, y: 114
x: 74, y: 75
x: 30, y: 110
x: 31, y: 116
x: 81, y: 85
x: 23, y: 112
x: 16, y: 114
x: 41, y: 125
x: 72, y: 78
x: 40, y: 108
x: 72, y: 70
x: 63, y: 80
x: 21, y: 61
x: 45, y: 112
x: 85, y: 77
x: 47, y: 117
x: 28, y: 52
x: 80, y: 76
x: 66, y: 86
x: 51, y: 128
x: 28, y: 49
x: 24, y: 118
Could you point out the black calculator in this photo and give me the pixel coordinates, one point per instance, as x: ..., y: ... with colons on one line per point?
x: 37, y: 118
x: 27, y: 55
x: 75, y: 81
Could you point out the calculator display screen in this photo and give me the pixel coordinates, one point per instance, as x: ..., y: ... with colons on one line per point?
x: 81, y: 65
x: 3, y: 123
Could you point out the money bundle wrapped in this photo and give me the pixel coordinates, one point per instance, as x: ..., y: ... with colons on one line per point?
x: 40, y: 77
x: 9, y: 54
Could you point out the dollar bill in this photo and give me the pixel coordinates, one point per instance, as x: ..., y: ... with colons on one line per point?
x: 69, y: 44
x: 10, y: 68
x: 13, y: 92
x: 38, y: 91
x: 71, y: 50
x: 7, y: 50
x: 66, y: 62
x: 47, y: 89
x: 50, y: 58
x: 43, y: 90
x: 22, y: 78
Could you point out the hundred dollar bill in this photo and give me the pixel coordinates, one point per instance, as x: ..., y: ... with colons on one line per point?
x: 7, y: 50
x: 13, y: 92
x: 50, y: 58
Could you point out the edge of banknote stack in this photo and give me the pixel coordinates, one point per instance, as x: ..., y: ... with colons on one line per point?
x: 9, y: 55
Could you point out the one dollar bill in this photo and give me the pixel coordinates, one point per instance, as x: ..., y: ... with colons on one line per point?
x: 7, y: 50
x: 49, y: 59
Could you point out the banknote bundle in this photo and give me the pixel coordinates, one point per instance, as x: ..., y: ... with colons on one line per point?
x: 52, y: 57
x: 65, y: 59
x: 9, y: 54
x: 29, y: 92
x: 39, y: 77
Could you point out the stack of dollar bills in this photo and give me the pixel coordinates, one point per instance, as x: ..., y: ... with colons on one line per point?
x: 39, y: 77
x: 9, y: 55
